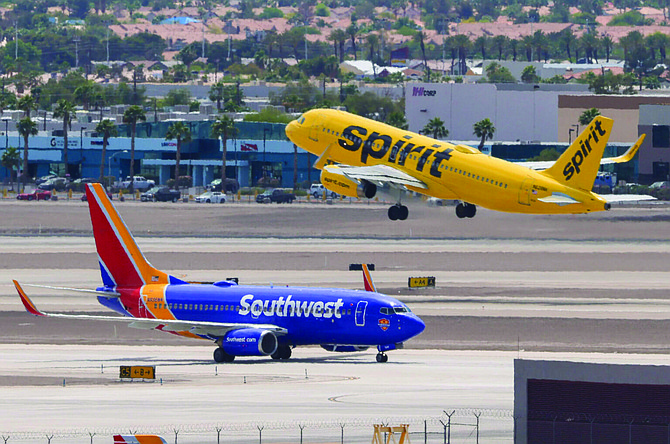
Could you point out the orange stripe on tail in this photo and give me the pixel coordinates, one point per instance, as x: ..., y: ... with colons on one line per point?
x: 119, y: 254
x: 367, y: 279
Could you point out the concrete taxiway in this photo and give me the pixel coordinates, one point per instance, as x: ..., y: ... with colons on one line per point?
x: 589, y: 287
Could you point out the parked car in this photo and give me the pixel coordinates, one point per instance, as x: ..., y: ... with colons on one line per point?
x: 139, y: 183
x: 43, y: 179
x: 80, y: 184
x: 232, y: 185
x: 55, y: 183
x: 317, y: 191
x: 160, y: 194
x: 660, y: 185
x: 211, y: 197
x: 277, y: 195
x: 109, y: 194
x: 35, y: 195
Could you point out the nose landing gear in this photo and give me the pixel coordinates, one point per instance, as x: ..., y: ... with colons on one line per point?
x: 465, y: 210
x: 382, y: 357
x: 398, y: 212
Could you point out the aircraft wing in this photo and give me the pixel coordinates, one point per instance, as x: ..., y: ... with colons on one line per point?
x: 382, y: 174
x: 625, y: 157
x: 620, y: 198
x: 212, y: 329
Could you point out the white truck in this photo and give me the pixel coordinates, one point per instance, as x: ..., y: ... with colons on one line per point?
x: 317, y: 191
x: 139, y: 183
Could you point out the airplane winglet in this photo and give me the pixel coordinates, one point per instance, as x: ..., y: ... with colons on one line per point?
x: 367, y: 279
x: 30, y: 307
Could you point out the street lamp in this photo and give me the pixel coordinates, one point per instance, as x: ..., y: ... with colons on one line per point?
x: 6, y: 119
x: 109, y: 163
x: 574, y: 128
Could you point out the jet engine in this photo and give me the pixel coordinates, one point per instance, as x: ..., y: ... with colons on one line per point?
x: 344, y: 348
x: 249, y: 342
x: 334, y: 179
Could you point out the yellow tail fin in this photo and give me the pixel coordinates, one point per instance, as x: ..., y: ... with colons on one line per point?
x: 578, y: 165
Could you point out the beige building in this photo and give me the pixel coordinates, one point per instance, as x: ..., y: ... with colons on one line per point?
x: 625, y: 110
x: 633, y: 116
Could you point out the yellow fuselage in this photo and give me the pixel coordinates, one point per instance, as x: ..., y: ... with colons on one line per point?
x: 449, y: 171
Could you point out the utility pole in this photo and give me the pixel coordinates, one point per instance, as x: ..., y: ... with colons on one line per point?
x: 107, y: 45
x: 203, y: 41
x: 77, y: 39
x: 16, y: 41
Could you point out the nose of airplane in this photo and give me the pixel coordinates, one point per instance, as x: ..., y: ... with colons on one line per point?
x: 290, y: 129
x: 415, y: 326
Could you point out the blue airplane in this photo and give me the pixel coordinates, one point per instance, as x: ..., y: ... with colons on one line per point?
x: 242, y: 320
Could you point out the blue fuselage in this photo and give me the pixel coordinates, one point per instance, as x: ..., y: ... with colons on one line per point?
x: 309, y: 315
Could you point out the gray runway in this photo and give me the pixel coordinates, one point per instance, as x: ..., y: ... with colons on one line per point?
x: 587, y: 287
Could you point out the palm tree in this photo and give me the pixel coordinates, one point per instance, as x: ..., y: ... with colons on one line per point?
x: 26, y: 104
x: 420, y: 37
x: 587, y: 116
x: 567, y: 40
x: 221, y: 129
x: 397, y: 119
x: 181, y: 133
x: 216, y: 93
x: 107, y: 129
x: 462, y: 43
x: 352, y: 31
x: 86, y: 93
x: 11, y: 159
x: 484, y: 129
x: 26, y: 127
x: 131, y: 116
x: 500, y: 42
x: 435, y: 127
x: 65, y: 110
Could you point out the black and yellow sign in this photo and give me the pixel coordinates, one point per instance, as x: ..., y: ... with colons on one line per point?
x: 137, y: 371
x: 418, y: 282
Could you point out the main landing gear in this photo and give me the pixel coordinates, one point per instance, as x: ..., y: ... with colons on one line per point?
x: 220, y: 355
x: 282, y: 352
x: 465, y: 209
x: 382, y: 357
x: 398, y: 212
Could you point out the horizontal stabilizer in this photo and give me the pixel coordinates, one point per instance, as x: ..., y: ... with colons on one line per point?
x: 617, y: 198
x: 109, y: 294
x: 559, y: 199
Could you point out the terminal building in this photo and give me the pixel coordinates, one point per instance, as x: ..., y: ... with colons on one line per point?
x: 259, y: 150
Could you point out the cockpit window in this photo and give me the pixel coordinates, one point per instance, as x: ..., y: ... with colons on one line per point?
x: 401, y: 309
x: 386, y: 310
x: 301, y: 120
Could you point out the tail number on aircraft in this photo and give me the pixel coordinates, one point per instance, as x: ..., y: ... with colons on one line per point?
x: 573, y: 165
x: 290, y: 308
x: 352, y: 140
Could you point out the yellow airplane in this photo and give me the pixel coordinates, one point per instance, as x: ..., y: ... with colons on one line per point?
x: 357, y: 155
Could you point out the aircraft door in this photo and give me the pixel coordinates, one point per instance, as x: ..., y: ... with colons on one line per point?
x: 360, y: 313
x: 525, y: 190
x: 144, y: 311
x: 315, y: 127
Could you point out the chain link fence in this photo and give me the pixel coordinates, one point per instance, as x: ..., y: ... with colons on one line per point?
x: 454, y: 426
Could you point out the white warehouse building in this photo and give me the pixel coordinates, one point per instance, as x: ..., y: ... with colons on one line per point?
x: 519, y: 112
